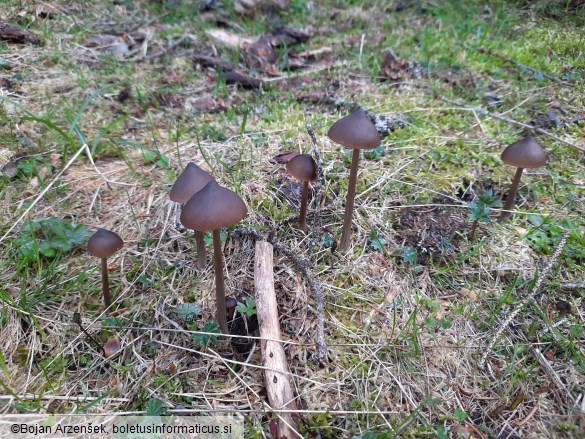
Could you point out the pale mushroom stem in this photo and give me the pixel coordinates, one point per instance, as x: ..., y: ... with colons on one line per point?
x: 106, y: 284
x: 304, y: 199
x: 511, y: 195
x: 219, y: 284
x: 201, y: 253
x: 346, y: 233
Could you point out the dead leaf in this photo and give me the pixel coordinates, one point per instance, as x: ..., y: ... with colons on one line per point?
x: 5, y: 84
x: 125, y: 93
x: 394, y: 68
x: 229, y: 39
x: 108, y: 43
x: 170, y: 100
x: 17, y: 35
x: 112, y: 346
x: 208, y: 105
x: 46, y: 10
x: 261, y: 53
x: 240, y: 78
x: 284, y: 157
x: 469, y: 294
x: 10, y: 170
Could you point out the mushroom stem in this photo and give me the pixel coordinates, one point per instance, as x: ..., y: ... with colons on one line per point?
x: 219, y: 284
x: 201, y: 253
x: 106, y: 284
x: 511, y: 195
x: 303, y: 214
x: 346, y: 233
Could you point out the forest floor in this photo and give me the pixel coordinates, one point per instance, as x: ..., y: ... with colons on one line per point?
x: 102, y: 110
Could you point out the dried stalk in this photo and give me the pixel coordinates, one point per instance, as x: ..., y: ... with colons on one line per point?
x: 301, y: 265
x: 530, y: 296
x: 317, y: 221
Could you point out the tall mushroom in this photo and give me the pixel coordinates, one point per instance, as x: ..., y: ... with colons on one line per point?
x: 355, y: 132
x: 191, y: 181
x: 103, y: 244
x: 212, y: 208
x: 303, y: 168
x: 525, y: 153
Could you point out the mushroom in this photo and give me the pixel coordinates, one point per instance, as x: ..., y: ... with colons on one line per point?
x: 191, y: 181
x: 356, y: 132
x: 212, y: 208
x: 526, y: 153
x: 303, y: 168
x: 103, y: 244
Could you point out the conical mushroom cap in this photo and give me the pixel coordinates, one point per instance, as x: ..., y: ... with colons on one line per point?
x: 525, y: 153
x: 212, y: 208
x: 355, y: 131
x: 302, y: 167
x: 103, y: 243
x: 191, y: 181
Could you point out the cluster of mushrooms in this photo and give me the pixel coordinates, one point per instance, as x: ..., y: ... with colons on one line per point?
x: 207, y: 206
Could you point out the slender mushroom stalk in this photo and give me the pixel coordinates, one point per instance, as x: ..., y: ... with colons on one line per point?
x: 191, y: 181
x: 103, y: 244
x: 356, y: 132
x: 303, y: 168
x: 212, y: 208
x: 526, y: 153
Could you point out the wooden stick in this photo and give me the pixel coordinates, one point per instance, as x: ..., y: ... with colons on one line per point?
x: 278, y: 385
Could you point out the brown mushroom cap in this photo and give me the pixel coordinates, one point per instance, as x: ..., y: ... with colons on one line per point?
x: 302, y: 167
x: 212, y: 208
x: 355, y: 131
x: 525, y: 153
x: 191, y: 181
x: 103, y: 243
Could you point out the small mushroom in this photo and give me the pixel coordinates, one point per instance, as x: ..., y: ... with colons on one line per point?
x: 355, y: 132
x: 212, y: 208
x: 103, y: 244
x: 526, y: 153
x: 303, y: 168
x: 191, y: 181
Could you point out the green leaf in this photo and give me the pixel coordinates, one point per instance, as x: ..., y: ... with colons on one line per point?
x: 188, y: 311
x: 205, y: 340
x: 49, y: 236
x: 249, y: 308
x: 154, y: 407
x: 442, y: 432
x: 460, y: 414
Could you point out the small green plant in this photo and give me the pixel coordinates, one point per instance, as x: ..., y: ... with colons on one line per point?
x: 154, y: 407
x: 188, y: 312
x: 479, y: 209
x: 248, y: 308
x: 206, y: 339
x: 46, y: 237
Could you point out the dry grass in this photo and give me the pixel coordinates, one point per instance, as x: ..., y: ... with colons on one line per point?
x: 405, y: 339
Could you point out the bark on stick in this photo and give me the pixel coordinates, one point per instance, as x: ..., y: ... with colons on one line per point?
x: 277, y: 376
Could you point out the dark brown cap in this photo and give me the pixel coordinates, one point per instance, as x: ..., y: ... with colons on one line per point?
x: 302, y: 167
x: 212, y: 208
x: 104, y: 243
x: 355, y: 131
x: 525, y: 153
x: 191, y: 181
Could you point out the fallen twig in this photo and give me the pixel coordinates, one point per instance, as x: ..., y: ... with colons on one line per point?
x: 530, y: 296
x: 301, y: 265
x: 317, y: 221
x: 278, y: 385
